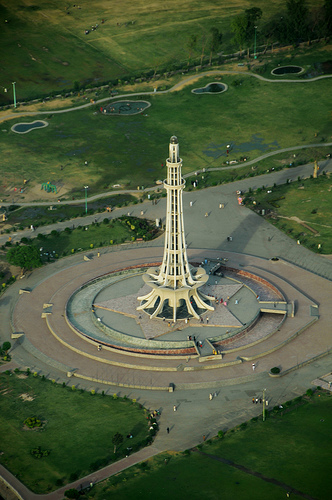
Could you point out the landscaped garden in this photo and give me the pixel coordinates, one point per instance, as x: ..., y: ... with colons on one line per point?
x: 52, y: 434
x: 86, y: 147
x: 302, y: 209
x: 290, y: 450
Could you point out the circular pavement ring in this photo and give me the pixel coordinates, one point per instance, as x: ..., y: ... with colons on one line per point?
x: 55, y: 339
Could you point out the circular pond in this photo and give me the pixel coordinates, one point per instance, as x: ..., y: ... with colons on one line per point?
x: 211, y: 88
x: 24, y: 128
x: 286, y: 70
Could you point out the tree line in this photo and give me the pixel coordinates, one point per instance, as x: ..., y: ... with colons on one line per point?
x: 294, y: 24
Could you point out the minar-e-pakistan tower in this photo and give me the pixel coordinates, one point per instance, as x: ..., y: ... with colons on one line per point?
x: 175, y: 284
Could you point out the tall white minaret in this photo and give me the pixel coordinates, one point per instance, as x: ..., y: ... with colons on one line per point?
x: 175, y: 284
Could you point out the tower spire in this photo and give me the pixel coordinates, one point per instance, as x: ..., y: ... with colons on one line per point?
x: 175, y: 283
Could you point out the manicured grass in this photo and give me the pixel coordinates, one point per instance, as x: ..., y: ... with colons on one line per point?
x: 254, y: 116
x: 291, y: 446
x: 77, y: 430
x: 308, y: 200
x: 45, y: 48
x: 87, y: 237
x: 40, y: 216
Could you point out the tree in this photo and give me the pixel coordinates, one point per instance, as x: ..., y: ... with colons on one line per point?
x: 297, y: 17
x: 204, y: 40
x: 6, y: 346
x: 191, y: 45
x: 26, y: 257
x: 327, y: 9
x: 215, y: 41
x: 253, y: 15
x: 117, y: 439
x: 239, y: 28
x: 72, y: 493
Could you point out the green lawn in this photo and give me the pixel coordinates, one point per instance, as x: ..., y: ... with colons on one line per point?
x: 254, y: 116
x: 308, y: 200
x: 39, y: 215
x: 45, y: 49
x: 77, y: 430
x: 94, y: 235
x: 292, y: 446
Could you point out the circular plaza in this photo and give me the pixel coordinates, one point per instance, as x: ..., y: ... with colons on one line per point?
x: 82, y: 319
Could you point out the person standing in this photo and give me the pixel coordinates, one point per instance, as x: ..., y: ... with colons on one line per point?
x: 167, y: 430
x: 253, y: 367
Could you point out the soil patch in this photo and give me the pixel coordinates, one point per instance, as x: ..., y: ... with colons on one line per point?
x: 26, y: 397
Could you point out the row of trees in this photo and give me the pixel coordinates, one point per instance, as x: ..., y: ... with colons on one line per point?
x: 295, y: 24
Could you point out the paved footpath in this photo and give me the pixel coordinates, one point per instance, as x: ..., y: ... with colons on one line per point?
x: 195, y: 414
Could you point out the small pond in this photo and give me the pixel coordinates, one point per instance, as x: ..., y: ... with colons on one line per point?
x: 285, y: 70
x: 125, y: 107
x: 24, y: 128
x: 211, y: 88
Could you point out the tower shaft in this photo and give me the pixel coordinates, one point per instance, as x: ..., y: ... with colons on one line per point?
x: 175, y: 284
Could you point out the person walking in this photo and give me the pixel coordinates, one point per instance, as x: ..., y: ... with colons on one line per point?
x: 253, y: 367
x: 210, y: 396
x: 167, y: 430
x: 174, y: 408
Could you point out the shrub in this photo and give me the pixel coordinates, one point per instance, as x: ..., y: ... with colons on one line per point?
x: 39, y: 453
x: 309, y: 392
x: 6, y: 346
x: 72, y: 493
x: 220, y: 434
x: 32, y: 422
x: 275, y: 370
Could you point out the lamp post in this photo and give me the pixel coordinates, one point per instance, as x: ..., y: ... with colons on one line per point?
x: 264, y: 404
x: 255, y: 57
x: 86, y: 198
x: 14, y: 94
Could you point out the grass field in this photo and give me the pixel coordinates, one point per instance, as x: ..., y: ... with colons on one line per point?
x: 77, y: 430
x: 45, y: 49
x: 292, y: 446
x: 254, y: 116
x: 23, y: 217
x: 303, y: 210
x: 117, y: 231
